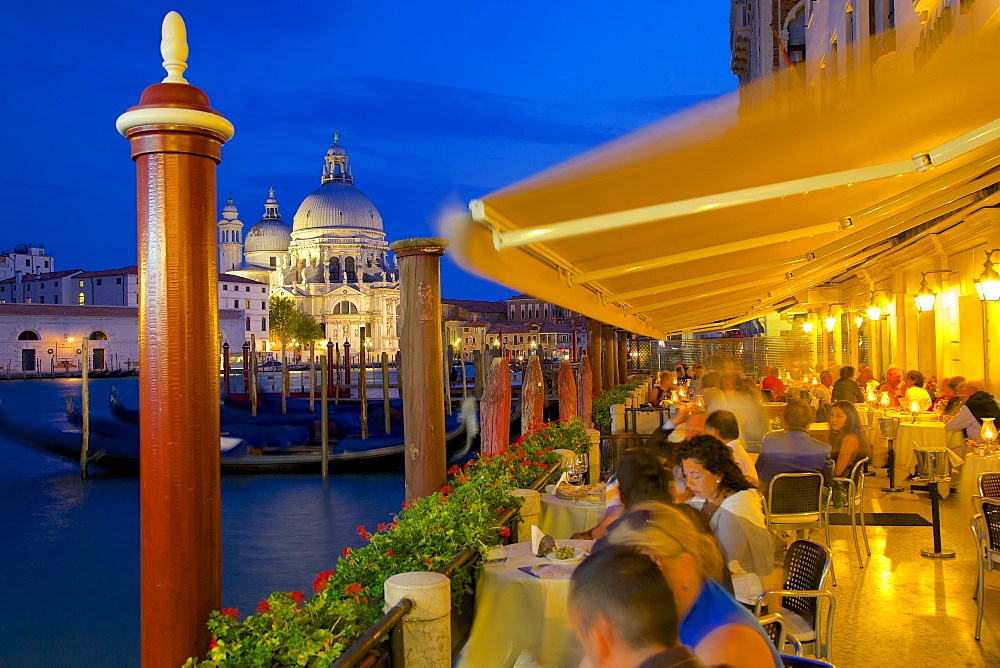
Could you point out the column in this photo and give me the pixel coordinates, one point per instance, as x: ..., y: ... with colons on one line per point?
x: 176, y: 141
x: 609, y: 356
x: 595, y: 353
x: 423, y: 385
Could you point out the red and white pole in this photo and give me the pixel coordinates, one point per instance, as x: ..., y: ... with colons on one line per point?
x: 176, y: 140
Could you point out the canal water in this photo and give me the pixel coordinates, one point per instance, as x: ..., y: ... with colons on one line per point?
x: 69, y: 548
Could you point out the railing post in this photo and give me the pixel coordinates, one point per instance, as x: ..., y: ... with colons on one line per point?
x: 531, y: 507
x: 225, y: 367
x: 594, y: 455
x: 494, y: 409
x: 427, y: 629
x: 176, y: 141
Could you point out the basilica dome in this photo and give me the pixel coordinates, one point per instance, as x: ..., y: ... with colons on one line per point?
x: 337, y: 203
x: 271, y: 234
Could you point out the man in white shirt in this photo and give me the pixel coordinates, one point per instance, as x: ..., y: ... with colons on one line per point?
x: 715, y: 398
x: 824, y: 391
x: 978, y: 404
x: 725, y: 427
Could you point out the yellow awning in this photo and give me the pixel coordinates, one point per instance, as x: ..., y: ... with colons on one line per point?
x: 723, y: 212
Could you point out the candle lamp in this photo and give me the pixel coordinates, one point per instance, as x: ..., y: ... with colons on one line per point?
x: 914, y: 409
x: 989, y: 434
x: 699, y: 402
x: 884, y: 400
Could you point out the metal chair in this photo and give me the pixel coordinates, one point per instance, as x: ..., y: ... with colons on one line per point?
x: 803, y: 662
x: 989, y: 484
x: 795, y: 501
x: 855, y: 483
x: 774, y: 627
x: 806, y: 566
x: 985, y: 527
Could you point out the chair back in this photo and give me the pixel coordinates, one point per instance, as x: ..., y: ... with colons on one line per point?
x: 802, y: 662
x: 989, y: 484
x: 774, y: 627
x: 795, y: 494
x: 806, y: 566
x: 767, y: 395
x: 990, y: 509
x: 858, y: 476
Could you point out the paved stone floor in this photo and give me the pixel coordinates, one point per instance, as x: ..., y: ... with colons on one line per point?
x: 903, y: 609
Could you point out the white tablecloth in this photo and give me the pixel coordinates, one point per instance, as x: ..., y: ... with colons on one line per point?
x: 518, y: 614
x: 924, y: 436
x: 974, y: 465
x: 560, y: 518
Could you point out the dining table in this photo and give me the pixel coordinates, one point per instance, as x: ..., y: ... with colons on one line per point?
x: 520, y: 618
x: 968, y: 484
x: 561, y: 518
x: 924, y: 435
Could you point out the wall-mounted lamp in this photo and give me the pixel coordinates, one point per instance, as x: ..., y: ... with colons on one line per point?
x: 988, y: 283
x: 807, y: 325
x: 858, y: 321
x: 926, y: 297
x: 830, y: 321
x: 874, y: 310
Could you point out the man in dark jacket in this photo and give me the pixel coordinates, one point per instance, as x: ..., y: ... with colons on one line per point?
x: 794, y: 450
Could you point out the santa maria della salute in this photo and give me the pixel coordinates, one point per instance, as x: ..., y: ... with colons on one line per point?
x: 334, y: 260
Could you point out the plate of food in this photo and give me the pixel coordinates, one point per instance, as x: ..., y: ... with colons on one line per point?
x: 572, y: 492
x: 567, y: 555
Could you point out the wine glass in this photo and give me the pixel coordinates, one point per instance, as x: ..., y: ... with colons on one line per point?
x: 573, y: 472
x: 582, y: 465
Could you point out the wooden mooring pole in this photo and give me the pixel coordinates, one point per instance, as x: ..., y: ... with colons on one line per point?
x: 423, y: 389
x: 494, y: 409
x: 385, y: 392
x: 176, y: 141
x: 532, y: 394
x: 85, y: 407
x: 324, y: 412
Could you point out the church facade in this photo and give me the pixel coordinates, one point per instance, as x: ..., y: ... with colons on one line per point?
x: 334, y: 260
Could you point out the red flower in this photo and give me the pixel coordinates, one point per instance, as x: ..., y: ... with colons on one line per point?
x: 446, y: 489
x: 389, y: 553
x: 364, y: 533
x: 232, y: 613
x: 213, y: 643
x: 501, y: 510
x: 263, y: 606
x: 463, y: 478
x: 382, y: 527
x: 404, y: 505
x: 347, y: 551
x: 296, y: 596
x: 353, y: 589
x: 427, y: 561
x: 505, y: 532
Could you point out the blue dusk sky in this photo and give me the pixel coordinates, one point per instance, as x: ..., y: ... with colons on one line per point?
x: 436, y: 102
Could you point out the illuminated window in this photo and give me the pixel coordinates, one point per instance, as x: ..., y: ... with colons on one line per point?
x: 81, y: 284
x: 247, y: 303
x: 79, y: 297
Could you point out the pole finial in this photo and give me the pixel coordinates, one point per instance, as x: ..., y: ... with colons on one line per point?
x: 174, y: 48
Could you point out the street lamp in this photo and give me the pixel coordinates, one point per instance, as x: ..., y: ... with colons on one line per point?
x: 988, y: 283
x: 926, y: 297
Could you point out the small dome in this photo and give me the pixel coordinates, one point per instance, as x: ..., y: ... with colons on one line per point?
x: 336, y: 149
x: 272, y: 235
x: 230, y: 212
x: 337, y: 204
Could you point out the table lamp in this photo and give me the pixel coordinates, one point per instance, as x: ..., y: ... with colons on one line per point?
x: 884, y: 400
x: 914, y: 409
x: 989, y: 434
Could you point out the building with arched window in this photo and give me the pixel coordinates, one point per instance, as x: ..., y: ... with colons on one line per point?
x: 334, y: 260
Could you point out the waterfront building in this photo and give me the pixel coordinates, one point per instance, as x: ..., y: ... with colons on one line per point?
x: 333, y: 260
x: 41, y: 339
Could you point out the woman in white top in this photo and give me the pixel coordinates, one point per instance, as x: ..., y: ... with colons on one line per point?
x: 735, y: 514
x: 914, y: 386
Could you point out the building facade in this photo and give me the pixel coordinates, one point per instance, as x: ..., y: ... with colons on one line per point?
x: 25, y: 259
x: 45, y: 339
x: 334, y: 260
x: 847, y: 47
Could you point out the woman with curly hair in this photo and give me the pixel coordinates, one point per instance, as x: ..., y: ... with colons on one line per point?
x: 734, y: 510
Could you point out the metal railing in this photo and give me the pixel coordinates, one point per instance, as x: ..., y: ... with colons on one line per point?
x: 748, y: 354
x: 393, y: 618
